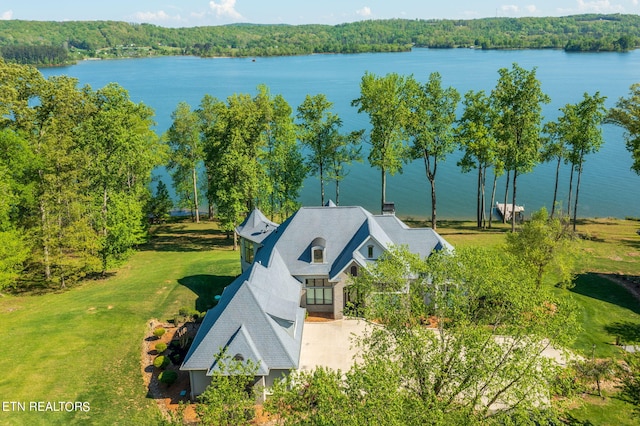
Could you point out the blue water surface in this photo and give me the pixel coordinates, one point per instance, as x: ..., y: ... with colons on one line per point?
x: 608, y: 187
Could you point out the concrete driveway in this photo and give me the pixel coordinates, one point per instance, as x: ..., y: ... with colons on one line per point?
x: 328, y: 344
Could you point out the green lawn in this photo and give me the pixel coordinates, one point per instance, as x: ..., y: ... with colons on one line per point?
x: 85, y: 344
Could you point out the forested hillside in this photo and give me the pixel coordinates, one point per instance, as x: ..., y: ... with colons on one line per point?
x: 104, y: 39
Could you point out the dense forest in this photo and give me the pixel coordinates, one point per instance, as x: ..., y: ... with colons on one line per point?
x: 107, y: 39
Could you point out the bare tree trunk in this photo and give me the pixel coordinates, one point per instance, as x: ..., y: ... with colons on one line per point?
x: 105, y: 231
x: 483, y: 206
x: 493, y: 198
x: 506, y: 192
x: 570, y: 190
x: 337, y: 192
x: 513, y: 202
x: 575, y: 208
x: 431, y: 176
x: 45, y: 242
x: 235, y: 240
x: 555, y: 190
x: 321, y: 186
x: 194, y: 175
x: 384, y: 188
x: 479, y: 198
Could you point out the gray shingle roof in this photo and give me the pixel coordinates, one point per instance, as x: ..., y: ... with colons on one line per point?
x: 344, y: 229
x: 256, y: 317
x: 256, y: 227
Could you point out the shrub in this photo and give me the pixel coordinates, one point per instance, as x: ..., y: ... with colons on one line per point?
x: 158, y: 332
x: 168, y: 377
x: 161, y: 347
x: 161, y: 361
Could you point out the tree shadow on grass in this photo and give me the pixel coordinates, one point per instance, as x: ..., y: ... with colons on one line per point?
x: 206, y: 287
x: 181, y: 239
x: 626, y: 331
x: 601, y: 288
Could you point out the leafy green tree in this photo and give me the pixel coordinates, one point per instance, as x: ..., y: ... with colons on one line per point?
x: 545, y: 242
x: 118, y: 136
x: 387, y: 102
x: 319, y: 132
x: 186, y: 155
x: 237, y: 142
x: 431, y: 128
x: 283, y: 159
x: 348, y: 150
x: 478, y: 145
x: 583, y: 133
x: 13, y: 248
x: 230, y: 398
x: 210, y: 113
x: 554, y: 148
x: 69, y: 246
x: 518, y: 100
x: 160, y: 204
x: 483, y: 362
x: 629, y: 374
x: 626, y: 114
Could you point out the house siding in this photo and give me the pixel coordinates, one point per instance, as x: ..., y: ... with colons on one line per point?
x: 199, y: 382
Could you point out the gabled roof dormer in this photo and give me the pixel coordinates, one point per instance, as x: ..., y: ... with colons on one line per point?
x: 256, y: 227
x: 318, y: 250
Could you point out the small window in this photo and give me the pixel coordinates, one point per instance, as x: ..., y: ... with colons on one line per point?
x: 318, y: 255
x: 354, y: 271
x: 248, y: 251
x: 370, y: 252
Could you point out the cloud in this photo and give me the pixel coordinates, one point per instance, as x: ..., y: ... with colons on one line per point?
x: 159, y: 17
x: 510, y: 8
x: 531, y: 8
x: 598, y: 6
x: 225, y: 9
x: 364, y: 12
x: 5, y: 16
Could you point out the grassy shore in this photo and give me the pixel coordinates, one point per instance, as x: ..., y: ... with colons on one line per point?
x: 84, y: 344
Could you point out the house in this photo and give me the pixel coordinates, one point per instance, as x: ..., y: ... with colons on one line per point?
x: 303, y: 264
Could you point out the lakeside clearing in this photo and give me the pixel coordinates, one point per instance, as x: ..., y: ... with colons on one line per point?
x: 84, y: 344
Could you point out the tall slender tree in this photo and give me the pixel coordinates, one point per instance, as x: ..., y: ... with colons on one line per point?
x: 554, y: 149
x: 584, y: 135
x: 118, y: 136
x: 348, y: 150
x: 431, y: 127
x: 478, y: 144
x: 283, y: 160
x: 387, y: 102
x: 319, y: 132
x: 518, y: 100
x: 183, y: 138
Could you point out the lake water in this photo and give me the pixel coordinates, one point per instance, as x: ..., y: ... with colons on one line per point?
x: 608, y: 188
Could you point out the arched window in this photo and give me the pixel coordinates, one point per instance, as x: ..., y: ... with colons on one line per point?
x: 318, y: 247
x: 354, y: 271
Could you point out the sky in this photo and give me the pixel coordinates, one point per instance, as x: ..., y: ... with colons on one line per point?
x: 189, y: 13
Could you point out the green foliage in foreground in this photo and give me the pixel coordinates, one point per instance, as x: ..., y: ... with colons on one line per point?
x: 230, y: 398
x: 494, y: 328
